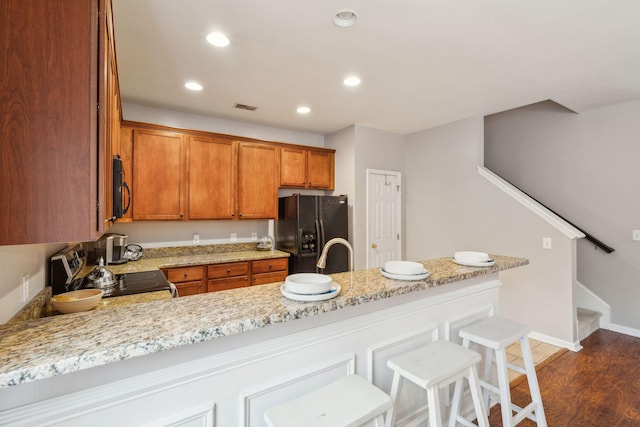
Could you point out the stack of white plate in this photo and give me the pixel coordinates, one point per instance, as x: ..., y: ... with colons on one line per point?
x: 472, y: 259
x: 404, y: 270
x: 309, y: 287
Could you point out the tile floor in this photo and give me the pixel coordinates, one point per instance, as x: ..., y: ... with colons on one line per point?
x: 541, y: 352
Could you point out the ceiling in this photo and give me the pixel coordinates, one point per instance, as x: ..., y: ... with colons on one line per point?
x: 422, y: 63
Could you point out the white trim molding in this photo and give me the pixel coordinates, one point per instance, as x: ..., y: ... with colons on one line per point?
x: 551, y: 218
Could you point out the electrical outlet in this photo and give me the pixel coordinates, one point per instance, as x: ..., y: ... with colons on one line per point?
x: 25, y: 288
x: 233, y: 237
x: 635, y: 235
x: 196, y: 238
x: 546, y: 243
x: 254, y: 236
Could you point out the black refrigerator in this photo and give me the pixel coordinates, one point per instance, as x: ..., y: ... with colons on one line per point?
x: 305, y: 223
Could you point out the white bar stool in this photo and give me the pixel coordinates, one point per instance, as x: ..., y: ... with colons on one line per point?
x: 348, y: 402
x: 496, y: 334
x: 432, y: 367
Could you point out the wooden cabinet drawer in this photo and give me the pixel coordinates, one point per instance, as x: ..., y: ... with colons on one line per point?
x: 222, y: 284
x: 215, y: 271
x: 190, y: 288
x: 185, y: 274
x: 261, y: 279
x: 269, y: 265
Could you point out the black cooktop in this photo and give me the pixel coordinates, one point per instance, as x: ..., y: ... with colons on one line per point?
x: 131, y: 283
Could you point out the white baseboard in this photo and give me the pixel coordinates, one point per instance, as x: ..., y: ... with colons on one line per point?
x: 624, y: 330
x: 573, y: 346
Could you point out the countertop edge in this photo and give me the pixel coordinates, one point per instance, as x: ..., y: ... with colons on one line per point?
x: 59, y: 359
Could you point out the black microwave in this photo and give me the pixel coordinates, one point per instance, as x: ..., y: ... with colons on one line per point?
x: 119, y: 185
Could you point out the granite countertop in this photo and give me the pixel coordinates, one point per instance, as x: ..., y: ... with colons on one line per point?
x: 172, y: 260
x: 153, y: 259
x: 135, y: 330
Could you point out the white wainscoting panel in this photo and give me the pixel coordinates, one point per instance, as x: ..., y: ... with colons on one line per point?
x: 194, y: 417
x: 255, y: 401
x: 381, y: 375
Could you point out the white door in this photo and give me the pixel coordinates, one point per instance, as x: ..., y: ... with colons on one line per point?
x: 384, y: 222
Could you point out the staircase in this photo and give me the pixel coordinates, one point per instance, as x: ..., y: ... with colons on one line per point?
x: 588, y: 322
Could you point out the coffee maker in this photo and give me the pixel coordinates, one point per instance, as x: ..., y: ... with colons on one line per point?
x: 111, y: 248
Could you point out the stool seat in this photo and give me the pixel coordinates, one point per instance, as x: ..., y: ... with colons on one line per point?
x: 350, y: 402
x: 496, y: 334
x: 433, y: 363
x: 433, y: 367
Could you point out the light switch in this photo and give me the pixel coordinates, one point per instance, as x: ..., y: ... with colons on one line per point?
x: 636, y: 234
x: 546, y: 243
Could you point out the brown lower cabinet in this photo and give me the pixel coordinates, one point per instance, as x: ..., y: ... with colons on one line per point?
x: 231, y: 275
x: 188, y: 280
x: 228, y: 276
x: 269, y: 270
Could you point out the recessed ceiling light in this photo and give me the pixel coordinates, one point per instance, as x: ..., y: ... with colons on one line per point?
x: 218, y: 39
x: 351, y: 81
x: 193, y: 86
x: 345, y: 18
x: 303, y: 110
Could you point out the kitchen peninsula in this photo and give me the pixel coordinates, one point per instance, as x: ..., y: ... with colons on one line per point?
x: 210, y: 359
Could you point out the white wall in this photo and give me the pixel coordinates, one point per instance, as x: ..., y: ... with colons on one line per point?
x: 160, y: 116
x: 17, y: 261
x: 585, y: 167
x: 451, y: 207
x: 344, y: 143
x: 359, y: 148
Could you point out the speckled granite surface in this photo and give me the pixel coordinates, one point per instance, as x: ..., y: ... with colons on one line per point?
x: 154, y: 259
x: 135, y: 330
x: 184, y: 259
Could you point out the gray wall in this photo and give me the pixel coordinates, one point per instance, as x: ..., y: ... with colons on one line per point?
x: 450, y: 207
x: 583, y: 166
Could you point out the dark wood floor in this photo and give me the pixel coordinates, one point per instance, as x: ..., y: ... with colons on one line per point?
x: 598, y: 386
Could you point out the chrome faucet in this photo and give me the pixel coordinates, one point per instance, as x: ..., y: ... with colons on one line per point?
x: 322, y: 261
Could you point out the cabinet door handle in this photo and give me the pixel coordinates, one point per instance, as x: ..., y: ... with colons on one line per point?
x: 186, y: 274
x: 270, y: 266
x: 228, y: 270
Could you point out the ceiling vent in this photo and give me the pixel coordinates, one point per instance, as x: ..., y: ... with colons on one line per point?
x: 245, y: 107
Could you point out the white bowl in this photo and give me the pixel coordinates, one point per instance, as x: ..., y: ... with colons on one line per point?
x: 471, y: 256
x: 404, y: 267
x: 308, y: 283
x: 76, y: 301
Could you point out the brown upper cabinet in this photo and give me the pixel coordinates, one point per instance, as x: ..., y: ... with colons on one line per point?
x: 178, y: 174
x: 159, y: 175
x: 306, y: 168
x: 52, y: 170
x: 257, y: 181
x: 109, y: 100
x: 212, y: 181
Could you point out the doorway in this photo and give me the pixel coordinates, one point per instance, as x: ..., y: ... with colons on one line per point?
x: 384, y: 220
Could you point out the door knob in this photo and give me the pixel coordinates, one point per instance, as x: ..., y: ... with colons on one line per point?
x: 373, y: 245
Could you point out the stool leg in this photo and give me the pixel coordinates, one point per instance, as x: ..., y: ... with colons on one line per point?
x: 433, y: 398
x: 476, y: 396
x: 455, y: 403
x: 532, y: 379
x: 486, y: 375
x: 505, y: 392
x: 396, y: 385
